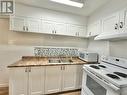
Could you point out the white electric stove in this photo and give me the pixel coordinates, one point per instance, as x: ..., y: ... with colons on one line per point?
x: 107, y: 78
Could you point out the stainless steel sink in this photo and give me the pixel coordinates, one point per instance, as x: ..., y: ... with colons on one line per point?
x: 66, y: 61
x: 58, y: 61
x: 54, y: 61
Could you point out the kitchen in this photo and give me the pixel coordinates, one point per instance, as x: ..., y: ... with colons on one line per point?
x: 42, y: 28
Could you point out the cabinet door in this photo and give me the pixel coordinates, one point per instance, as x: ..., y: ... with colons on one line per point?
x: 36, y: 80
x: 18, y: 82
x: 47, y: 27
x: 77, y: 30
x: 81, y: 31
x: 69, y: 78
x: 110, y: 24
x: 79, y: 73
x: 53, y: 79
x: 123, y: 20
x: 72, y: 30
x: 94, y: 29
x: 33, y: 25
x: 17, y: 23
x: 61, y: 29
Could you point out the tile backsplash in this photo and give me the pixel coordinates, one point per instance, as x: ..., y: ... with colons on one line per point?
x: 49, y: 52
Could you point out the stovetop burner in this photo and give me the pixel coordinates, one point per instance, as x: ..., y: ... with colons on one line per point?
x: 121, y: 74
x: 102, y: 66
x: 113, y: 76
x: 94, y: 66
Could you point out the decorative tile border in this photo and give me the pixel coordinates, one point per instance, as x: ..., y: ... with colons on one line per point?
x: 49, y: 52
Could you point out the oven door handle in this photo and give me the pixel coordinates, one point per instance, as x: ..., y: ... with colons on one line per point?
x: 109, y: 84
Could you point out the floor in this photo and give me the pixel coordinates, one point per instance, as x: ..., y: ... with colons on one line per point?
x: 4, y: 91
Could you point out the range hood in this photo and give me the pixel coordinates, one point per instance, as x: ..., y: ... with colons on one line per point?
x: 113, y: 36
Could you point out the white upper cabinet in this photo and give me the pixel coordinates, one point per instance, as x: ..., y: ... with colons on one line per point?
x: 77, y: 30
x: 33, y: 25
x: 47, y: 27
x: 94, y: 29
x: 36, y: 25
x: 24, y: 24
x: 52, y: 27
x: 17, y: 23
x: 115, y: 23
x: 110, y: 24
x: 60, y: 28
x: 122, y: 19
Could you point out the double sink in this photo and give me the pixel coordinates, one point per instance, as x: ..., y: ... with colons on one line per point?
x: 59, y: 61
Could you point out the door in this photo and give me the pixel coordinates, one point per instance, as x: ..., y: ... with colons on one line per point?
x: 69, y: 77
x: 33, y: 25
x: 53, y: 79
x: 47, y: 27
x: 36, y: 80
x: 110, y: 24
x: 18, y: 82
x: 60, y: 28
x: 17, y: 23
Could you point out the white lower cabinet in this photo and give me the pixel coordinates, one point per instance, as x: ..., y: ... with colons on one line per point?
x: 63, y: 78
x: 26, y: 81
x: 69, y: 77
x: 18, y: 82
x: 53, y: 79
x: 44, y: 80
x: 36, y: 80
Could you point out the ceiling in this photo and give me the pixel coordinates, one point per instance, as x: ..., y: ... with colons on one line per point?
x: 89, y: 7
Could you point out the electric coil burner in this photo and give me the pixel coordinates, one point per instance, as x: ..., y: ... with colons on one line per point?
x: 121, y: 74
x: 94, y: 66
x: 102, y: 66
x: 113, y: 76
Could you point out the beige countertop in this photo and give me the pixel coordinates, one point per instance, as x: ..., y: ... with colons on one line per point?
x: 27, y: 61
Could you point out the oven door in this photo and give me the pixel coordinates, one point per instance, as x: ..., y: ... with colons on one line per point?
x: 94, y: 85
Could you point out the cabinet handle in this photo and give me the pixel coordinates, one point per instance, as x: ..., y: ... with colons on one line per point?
x: 26, y: 70
x: 53, y: 31
x: 116, y: 26
x: 76, y: 34
x: 24, y: 28
x: 121, y: 24
x: 89, y: 33
x: 29, y: 69
x: 27, y: 28
x: 61, y: 67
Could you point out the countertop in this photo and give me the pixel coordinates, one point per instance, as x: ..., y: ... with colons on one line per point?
x: 28, y: 61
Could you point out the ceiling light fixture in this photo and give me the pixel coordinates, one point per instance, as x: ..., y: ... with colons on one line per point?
x: 69, y: 2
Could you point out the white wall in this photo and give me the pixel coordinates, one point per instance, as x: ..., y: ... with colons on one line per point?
x: 117, y: 49
x: 8, y: 55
